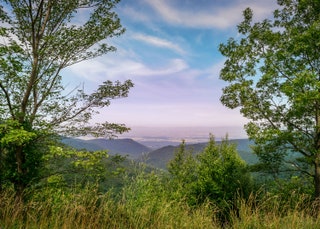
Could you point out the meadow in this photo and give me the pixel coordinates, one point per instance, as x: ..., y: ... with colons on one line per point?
x: 148, y: 208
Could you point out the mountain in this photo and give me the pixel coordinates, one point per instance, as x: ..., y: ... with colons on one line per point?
x: 114, y: 146
x: 159, y: 158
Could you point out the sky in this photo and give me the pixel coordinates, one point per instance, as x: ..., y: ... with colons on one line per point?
x: 170, y: 52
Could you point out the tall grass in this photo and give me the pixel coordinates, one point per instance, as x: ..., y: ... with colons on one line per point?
x: 144, y: 203
x: 274, y: 212
x: 90, y: 210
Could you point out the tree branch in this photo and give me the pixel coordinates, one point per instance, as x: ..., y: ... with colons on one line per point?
x: 7, y: 96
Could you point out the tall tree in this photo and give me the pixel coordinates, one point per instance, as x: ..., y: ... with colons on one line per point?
x: 273, y: 72
x: 38, y: 39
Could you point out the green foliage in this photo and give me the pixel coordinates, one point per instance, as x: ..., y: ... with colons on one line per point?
x: 145, y: 190
x: 145, y: 202
x: 182, y: 169
x: 43, y: 38
x: 83, y: 163
x: 87, y: 208
x: 273, y: 75
x: 67, y: 167
x: 150, y: 200
x: 222, y: 174
x: 15, y: 140
x: 13, y: 134
x: 217, y: 174
x: 291, y: 190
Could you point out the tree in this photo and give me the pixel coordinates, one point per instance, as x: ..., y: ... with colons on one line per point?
x: 182, y: 174
x: 40, y: 38
x: 180, y: 166
x: 222, y: 174
x: 217, y: 174
x: 273, y: 72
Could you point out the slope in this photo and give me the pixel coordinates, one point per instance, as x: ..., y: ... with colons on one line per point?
x: 123, y: 147
x: 159, y: 158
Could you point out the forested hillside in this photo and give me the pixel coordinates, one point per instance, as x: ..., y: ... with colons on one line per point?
x: 159, y: 158
x: 124, y: 147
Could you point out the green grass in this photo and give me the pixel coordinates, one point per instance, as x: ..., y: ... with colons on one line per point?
x: 53, y: 208
x: 90, y: 210
x: 272, y: 212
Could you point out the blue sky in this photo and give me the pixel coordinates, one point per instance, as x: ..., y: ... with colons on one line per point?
x: 170, y: 52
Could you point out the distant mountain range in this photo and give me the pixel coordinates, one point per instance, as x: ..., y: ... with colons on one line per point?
x: 125, y: 147
x: 158, y: 158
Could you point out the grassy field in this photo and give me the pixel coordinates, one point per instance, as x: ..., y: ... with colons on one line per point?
x: 54, y: 208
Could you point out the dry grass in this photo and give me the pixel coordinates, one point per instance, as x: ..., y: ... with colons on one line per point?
x: 87, y: 209
x: 272, y: 213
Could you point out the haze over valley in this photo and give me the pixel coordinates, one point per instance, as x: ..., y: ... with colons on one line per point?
x: 156, y: 137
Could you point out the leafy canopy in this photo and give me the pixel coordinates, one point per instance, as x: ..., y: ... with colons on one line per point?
x: 41, y: 38
x: 38, y: 39
x: 217, y: 174
x: 273, y: 72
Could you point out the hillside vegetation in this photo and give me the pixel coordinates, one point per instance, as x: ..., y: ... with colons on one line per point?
x: 157, y: 158
x: 124, y: 147
x: 213, y: 189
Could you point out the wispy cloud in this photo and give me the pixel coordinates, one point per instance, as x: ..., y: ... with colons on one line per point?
x: 221, y: 17
x: 159, y: 42
x: 121, y: 68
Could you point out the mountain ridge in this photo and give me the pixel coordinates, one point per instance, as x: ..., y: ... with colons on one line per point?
x: 125, y: 146
x: 158, y: 158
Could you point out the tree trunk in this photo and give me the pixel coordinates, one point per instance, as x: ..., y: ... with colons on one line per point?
x: 19, y: 183
x: 1, y: 169
x: 317, y: 178
x: 317, y: 158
